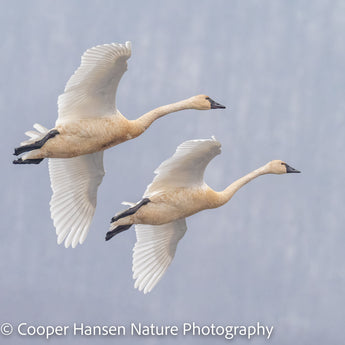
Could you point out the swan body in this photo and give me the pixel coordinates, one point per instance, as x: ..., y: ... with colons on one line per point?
x: 178, y: 191
x: 88, y: 123
x: 76, y: 137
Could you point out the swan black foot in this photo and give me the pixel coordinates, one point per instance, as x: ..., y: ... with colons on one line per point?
x: 117, y: 230
x: 131, y: 210
x: 28, y: 161
x: 36, y: 145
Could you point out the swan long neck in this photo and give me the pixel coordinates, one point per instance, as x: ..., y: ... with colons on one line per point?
x: 225, y: 195
x: 147, y: 119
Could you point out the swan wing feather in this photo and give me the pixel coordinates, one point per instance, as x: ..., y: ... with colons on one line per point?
x: 154, y: 250
x: 91, y: 90
x: 186, y: 167
x: 74, y: 182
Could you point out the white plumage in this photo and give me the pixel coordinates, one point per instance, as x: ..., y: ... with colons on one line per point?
x: 74, y: 182
x: 88, y: 123
x: 91, y: 90
x: 89, y: 93
x: 186, y: 167
x: 156, y: 244
x: 154, y: 250
x: 177, y: 191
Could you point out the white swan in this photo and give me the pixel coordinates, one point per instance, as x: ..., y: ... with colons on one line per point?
x: 177, y: 192
x: 88, y: 123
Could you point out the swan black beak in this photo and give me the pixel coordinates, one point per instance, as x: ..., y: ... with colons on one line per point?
x: 215, y: 105
x: 291, y: 169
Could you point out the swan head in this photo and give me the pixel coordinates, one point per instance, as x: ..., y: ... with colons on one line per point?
x: 279, y: 167
x: 203, y: 102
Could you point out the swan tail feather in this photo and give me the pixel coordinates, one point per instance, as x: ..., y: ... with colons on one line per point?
x: 128, y: 203
x: 40, y: 132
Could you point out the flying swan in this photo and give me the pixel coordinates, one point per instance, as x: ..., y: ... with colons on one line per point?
x: 88, y: 123
x: 177, y: 191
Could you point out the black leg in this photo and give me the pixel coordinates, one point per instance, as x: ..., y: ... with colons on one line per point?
x: 131, y: 210
x: 28, y: 161
x: 36, y: 145
x: 117, y: 230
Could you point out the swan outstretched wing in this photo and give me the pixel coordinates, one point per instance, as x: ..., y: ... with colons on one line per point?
x: 154, y: 250
x: 74, y: 182
x: 186, y: 167
x: 91, y: 90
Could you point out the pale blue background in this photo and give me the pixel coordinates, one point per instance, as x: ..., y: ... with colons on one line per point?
x: 274, y: 254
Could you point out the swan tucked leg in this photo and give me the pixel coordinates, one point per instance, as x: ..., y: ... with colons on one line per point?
x: 117, y: 230
x: 126, y: 213
x: 131, y: 210
x: 28, y: 161
x: 37, y: 144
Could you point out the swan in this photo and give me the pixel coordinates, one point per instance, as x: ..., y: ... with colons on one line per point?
x: 177, y: 191
x: 88, y: 123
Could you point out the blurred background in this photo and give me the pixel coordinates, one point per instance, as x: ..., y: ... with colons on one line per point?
x: 274, y: 254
